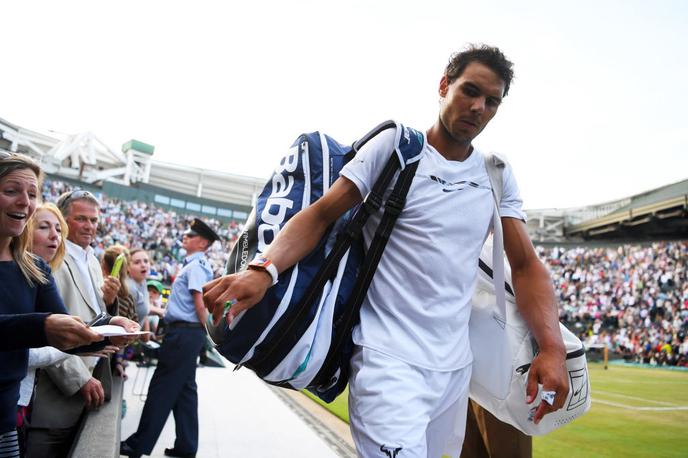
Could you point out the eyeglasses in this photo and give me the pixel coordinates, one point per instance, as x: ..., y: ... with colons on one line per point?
x: 64, y: 201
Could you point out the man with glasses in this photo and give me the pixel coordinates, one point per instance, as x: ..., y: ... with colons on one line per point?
x: 173, y: 386
x: 77, y: 382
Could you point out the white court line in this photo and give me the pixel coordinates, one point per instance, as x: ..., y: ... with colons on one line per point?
x: 649, y: 401
x: 624, y: 406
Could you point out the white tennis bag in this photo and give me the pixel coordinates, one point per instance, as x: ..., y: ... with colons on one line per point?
x: 503, y: 347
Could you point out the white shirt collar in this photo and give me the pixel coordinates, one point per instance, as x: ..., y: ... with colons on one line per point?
x: 78, y: 252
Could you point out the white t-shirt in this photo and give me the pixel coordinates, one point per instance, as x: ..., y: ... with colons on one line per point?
x: 418, y: 304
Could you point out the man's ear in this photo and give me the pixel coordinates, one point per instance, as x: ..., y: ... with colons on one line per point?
x: 444, y: 86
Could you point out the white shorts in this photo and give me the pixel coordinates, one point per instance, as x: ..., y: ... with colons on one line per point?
x: 397, y: 410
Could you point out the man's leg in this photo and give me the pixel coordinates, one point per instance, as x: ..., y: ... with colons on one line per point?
x: 176, y: 365
x: 389, y: 406
x: 446, y: 431
x: 473, y: 445
x: 185, y: 411
x: 501, y: 439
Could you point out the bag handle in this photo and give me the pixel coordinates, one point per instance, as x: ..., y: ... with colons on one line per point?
x: 495, y: 172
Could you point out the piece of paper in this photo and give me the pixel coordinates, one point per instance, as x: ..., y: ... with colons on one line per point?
x: 111, y: 330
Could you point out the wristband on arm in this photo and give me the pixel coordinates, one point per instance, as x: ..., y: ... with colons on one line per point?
x: 264, y: 264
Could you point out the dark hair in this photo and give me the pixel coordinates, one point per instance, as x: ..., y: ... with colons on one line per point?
x: 489, y: 56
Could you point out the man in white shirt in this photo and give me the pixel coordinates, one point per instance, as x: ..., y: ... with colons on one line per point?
x: 412, y: 363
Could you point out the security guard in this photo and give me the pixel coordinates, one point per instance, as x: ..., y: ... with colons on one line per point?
x: 173, y: 386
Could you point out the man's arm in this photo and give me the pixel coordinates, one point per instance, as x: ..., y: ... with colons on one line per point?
x: 201, y: 311
x: 536, y: 303
x: 297, y: 238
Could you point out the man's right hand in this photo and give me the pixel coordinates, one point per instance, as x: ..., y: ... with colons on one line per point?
x: 247, y: 288
x: 93, y: 394
x: 66, y: 331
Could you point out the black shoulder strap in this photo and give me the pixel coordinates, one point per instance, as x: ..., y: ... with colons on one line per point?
x: 342, y: 328
x: 265, y: 361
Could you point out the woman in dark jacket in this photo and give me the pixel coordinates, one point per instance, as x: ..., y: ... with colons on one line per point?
x: 32, y: 313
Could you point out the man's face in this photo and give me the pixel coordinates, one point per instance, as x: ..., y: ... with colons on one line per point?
x: 82, y: 222
x: 470, y: 102
x: 194, y: 243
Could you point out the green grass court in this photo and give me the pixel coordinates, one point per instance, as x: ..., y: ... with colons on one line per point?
x: 636, y: 412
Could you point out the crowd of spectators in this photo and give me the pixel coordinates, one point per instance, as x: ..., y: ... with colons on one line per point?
x: 158, y: 231
x: 632, y: 299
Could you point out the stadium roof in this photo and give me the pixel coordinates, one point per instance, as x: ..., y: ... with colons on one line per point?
x: 661, y: 212
x: 86, y: 158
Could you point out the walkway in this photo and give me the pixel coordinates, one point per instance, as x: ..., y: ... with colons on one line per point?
x: 240, y: 416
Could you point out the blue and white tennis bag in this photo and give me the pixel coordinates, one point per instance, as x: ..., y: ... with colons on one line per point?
x: 299, y: 335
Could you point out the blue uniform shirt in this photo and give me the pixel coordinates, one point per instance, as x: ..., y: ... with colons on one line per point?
x: 195, y: 273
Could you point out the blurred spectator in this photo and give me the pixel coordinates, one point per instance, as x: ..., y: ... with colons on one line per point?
x: 157, y: 307
x: 126, y: 303
x: 139, y: 268
x: 632, y: 299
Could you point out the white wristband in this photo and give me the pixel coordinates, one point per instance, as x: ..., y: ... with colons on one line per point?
x: 261, y: 263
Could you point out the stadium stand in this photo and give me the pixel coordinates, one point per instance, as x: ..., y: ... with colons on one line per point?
x: 632, y: 299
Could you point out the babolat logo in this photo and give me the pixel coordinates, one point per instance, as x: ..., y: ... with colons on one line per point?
x: 279, y: 201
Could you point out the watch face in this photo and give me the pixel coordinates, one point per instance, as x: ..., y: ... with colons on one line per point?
x: 260, y: 262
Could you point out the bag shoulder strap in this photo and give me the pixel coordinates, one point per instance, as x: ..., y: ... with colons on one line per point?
x: 495, y: 166
x: 495, y: 171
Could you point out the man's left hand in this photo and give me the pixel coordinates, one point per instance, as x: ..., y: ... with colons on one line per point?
x: 549, y: 370
x: 110, y: 288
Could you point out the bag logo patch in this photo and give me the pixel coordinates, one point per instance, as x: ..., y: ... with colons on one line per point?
x: 579, y: 388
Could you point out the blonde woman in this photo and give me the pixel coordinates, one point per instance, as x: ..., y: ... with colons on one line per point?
x: 49, y: 232
x: 32, y: 313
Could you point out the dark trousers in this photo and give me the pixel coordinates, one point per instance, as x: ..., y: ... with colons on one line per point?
x: 488, y: 437
x: 172, y: 388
